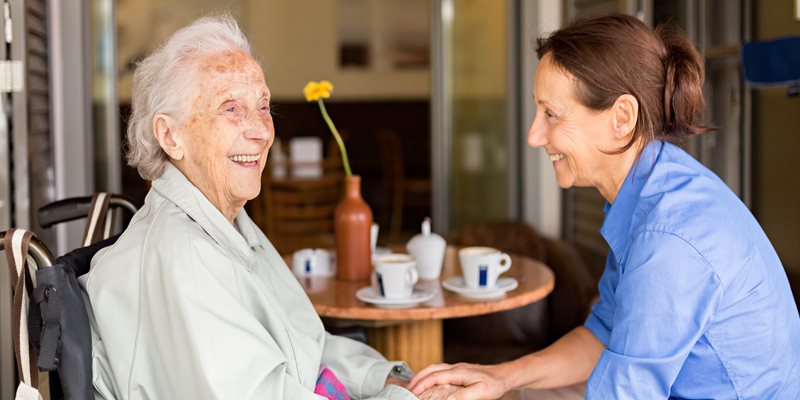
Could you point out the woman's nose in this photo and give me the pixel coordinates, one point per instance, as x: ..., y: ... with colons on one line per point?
x: 258, y: 129
x: 536, y: 134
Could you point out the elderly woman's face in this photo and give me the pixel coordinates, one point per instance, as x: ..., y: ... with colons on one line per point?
x: 572, y: 134
x: 227, y: 130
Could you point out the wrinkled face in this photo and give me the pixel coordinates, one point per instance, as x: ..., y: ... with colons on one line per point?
x: 571, y: 134
x: 227, y: 130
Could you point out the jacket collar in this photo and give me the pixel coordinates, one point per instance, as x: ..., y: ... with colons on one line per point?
x: 619, y: 221
x: 176, y: 188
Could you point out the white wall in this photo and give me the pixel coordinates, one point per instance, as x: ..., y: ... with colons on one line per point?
x: 297, y: 41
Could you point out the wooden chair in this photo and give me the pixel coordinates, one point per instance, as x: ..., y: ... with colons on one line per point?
x: 297, y: 213
x: 400, y: 191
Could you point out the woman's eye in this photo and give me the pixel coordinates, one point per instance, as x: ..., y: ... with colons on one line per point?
x: 231, y: 108
x: 548, y: 114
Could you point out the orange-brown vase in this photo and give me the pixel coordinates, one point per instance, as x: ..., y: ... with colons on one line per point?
x: 352, y: 223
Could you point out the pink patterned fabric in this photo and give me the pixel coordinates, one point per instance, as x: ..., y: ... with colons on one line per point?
x: 329, y: 386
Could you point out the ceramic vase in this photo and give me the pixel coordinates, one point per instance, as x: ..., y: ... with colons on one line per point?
x: 352, y: 224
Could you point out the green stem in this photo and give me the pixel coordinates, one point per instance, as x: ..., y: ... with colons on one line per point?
x: 335, y: 136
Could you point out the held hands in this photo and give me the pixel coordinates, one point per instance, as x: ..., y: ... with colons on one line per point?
x: 438, y: 392
x: 478, y: 381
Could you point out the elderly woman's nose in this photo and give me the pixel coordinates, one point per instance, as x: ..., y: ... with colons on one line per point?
x: 537, y: 136
x: 256, y: 132
x: 256, y: 128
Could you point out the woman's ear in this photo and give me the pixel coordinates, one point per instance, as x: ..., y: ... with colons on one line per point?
x: 626, y: 113
x: 165, y: 132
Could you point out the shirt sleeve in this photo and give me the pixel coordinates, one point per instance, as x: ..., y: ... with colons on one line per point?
x: 664, y: 302
x: 362, y: 370
x: 602, y: 315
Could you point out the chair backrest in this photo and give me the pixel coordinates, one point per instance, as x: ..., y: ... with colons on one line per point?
x: 297, y: 213
x: 20, y: 245
x: 98, y: 209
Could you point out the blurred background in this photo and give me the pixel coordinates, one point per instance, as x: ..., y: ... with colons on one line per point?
x: 433, y: 98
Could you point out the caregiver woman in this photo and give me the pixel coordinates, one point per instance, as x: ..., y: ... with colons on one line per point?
x: 694, y: 302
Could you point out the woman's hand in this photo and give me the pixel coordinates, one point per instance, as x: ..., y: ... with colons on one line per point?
x: 478, y: 381
x: 440, y: 392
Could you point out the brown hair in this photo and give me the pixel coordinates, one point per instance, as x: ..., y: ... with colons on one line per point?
x: 617, y: 54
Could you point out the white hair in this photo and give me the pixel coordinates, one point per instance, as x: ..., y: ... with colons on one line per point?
x: 161, y: 79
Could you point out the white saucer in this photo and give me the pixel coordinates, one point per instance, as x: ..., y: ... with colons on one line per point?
x: 503, y: 285
x: 370, y: 295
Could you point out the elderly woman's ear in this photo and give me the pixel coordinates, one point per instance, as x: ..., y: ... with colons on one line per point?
x: 164, y: 128
x: 625, y: 114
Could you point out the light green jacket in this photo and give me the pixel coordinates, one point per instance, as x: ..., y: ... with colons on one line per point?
x: 187, y: 307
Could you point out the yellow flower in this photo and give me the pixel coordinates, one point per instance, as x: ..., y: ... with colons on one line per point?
x: 317, y: 90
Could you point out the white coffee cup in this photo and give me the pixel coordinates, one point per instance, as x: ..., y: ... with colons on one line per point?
x: 312, y: 262
x: 395, y: 275
x: 482, y: 265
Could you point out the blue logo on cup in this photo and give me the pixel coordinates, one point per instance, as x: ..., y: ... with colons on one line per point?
x: 380, y: 284
x: 308, y: 266
x: 483, y: 271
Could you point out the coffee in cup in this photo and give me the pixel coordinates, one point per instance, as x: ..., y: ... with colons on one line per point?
x: 395, y: 275
x: 482, y: 265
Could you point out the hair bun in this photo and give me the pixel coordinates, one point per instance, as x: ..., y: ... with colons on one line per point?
x: 683, y: 83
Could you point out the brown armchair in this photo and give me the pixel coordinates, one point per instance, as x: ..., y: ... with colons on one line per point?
x: 513, y: 333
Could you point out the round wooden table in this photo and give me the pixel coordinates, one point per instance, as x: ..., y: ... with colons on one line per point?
x: 415, y: 334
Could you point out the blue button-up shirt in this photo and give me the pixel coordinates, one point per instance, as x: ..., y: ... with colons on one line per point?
x: 694, y: 302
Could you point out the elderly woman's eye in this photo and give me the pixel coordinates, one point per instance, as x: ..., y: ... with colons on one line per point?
x: 231, y: 108
x: 549, y: 114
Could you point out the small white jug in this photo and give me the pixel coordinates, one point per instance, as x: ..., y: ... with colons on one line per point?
x: 428, y: 250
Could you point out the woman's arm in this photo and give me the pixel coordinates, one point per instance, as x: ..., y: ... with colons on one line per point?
x: 363, y: 370
x: 567, y: 361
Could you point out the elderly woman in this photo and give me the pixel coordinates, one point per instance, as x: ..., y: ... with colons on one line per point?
x: 694, y: 302
x: 193, y: 302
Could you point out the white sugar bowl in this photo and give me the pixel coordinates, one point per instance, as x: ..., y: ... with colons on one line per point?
x: 428, y: 250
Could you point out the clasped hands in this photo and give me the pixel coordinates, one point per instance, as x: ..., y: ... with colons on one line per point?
x: 458, y: 382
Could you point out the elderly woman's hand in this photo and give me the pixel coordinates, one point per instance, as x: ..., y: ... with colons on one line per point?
x: 478, y: 381
x: 439, y: 392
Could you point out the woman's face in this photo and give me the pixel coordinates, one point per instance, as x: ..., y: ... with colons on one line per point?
x: 227, y: 130
x: 572, y: 134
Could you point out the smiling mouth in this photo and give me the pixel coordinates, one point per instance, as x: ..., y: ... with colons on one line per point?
x: 557, y: 157
x: 243, y: 158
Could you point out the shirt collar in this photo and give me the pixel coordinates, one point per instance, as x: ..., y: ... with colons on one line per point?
x: 176, y: 188
x: 619, y: 216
